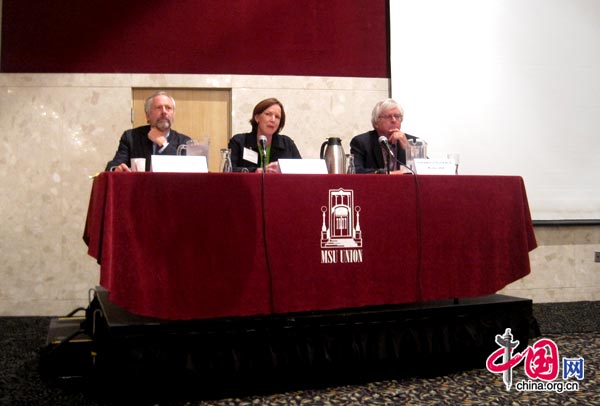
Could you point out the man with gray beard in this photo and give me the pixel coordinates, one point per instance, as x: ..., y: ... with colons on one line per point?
x: 156, y: 138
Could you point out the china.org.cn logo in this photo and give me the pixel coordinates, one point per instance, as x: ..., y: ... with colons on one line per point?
x: 341, y: 236
x: 541, y: 362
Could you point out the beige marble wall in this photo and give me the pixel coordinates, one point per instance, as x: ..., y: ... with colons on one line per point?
x: 56, y: 130
x: 562, y: 267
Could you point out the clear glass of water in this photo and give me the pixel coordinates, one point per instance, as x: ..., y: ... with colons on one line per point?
x: 456, y: 158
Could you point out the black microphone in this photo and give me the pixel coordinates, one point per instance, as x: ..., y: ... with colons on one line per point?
x: 263, y: 144
x: 384, y: 141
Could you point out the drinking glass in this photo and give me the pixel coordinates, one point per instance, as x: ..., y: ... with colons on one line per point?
x: 351, y: 168
x: 456, y: 157
x: 226, y: 160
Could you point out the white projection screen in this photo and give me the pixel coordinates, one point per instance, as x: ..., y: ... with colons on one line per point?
x: 511, y: 85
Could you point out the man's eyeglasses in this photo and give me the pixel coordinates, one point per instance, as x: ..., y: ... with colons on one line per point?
x: 390, y: 116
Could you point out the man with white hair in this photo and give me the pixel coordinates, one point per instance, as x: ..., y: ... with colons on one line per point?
x: 156, y: 138
x: 370, y: 154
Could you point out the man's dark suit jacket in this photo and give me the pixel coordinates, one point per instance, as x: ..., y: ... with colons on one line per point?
x: 135, y: 143
x: 282, y: 146
x: 368, y: 157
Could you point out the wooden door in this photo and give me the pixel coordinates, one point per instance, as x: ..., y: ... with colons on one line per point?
x: 198, y: 113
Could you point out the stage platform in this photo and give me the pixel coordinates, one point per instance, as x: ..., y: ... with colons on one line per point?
x: 233, y: 356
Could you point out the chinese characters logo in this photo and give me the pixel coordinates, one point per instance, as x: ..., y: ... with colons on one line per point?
x: 541, y: 361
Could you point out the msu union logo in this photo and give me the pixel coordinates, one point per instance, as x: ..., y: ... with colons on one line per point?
x: 341, y: 236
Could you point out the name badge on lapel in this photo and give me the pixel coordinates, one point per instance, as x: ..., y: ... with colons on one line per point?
x: 250, y: 156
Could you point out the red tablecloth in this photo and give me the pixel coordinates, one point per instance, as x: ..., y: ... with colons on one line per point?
x: 182, y: 246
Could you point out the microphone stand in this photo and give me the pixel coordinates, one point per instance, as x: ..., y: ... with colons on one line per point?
x: 389, y: 160
x: 263, y: 146
x: 384, y: 143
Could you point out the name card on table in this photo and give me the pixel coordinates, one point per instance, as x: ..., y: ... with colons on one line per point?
x: 435, y: 167
x: 303, y: 166
x: 179, y: 163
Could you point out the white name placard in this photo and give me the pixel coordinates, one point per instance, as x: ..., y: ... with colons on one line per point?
x: 305, y: 166
x: 179, y: 163
x: 435, y: 167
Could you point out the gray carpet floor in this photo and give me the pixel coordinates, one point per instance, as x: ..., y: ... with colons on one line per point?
x: 575, y: 327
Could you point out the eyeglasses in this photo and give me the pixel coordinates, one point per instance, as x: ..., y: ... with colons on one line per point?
x: 390, y: 116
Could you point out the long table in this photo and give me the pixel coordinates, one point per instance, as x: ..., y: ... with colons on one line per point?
x: 194, y: 246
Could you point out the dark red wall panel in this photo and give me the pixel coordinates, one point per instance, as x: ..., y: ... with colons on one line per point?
x: 260, y: 37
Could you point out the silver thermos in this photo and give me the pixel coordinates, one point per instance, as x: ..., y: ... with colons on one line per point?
x: 333, y: 154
